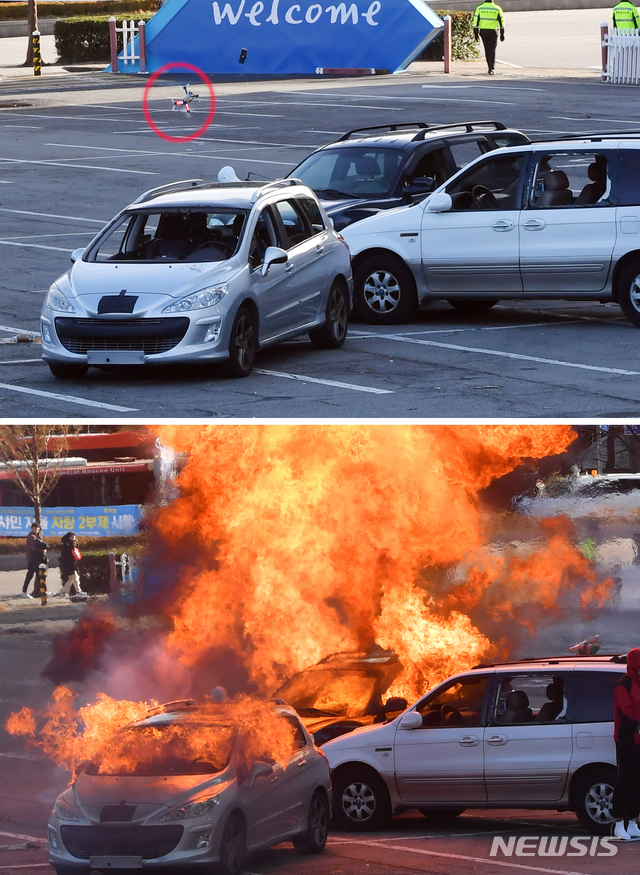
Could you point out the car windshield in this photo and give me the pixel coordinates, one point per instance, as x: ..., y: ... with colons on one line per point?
x: 174, y: 748
x: 360, y: 172
x: 172, y: 235
x: 335, y: 692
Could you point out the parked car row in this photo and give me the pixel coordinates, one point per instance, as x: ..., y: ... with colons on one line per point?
x: 470, y: 213
x: 535, y: 733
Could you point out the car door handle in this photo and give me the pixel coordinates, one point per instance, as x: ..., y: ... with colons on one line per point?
x: 534, y: 225
x: 503, y: 225
x: 497, y: 739
x: 289, y: 266
x: 468, y: 740
x: 302, y: 763
x: 319, y: 249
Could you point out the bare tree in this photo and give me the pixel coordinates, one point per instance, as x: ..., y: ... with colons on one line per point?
x: 35, y: 453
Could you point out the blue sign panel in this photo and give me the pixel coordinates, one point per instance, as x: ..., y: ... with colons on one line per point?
x: 288, y: 36
x: 15, y: 522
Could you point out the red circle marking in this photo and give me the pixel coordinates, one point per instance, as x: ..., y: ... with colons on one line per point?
x: 145, y: 102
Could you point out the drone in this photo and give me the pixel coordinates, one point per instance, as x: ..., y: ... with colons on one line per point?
x: 183, y: 104
x: 588, y: 647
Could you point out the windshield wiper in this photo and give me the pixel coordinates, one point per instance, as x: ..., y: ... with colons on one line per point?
x: 333, y: 192
x: 315, y: 712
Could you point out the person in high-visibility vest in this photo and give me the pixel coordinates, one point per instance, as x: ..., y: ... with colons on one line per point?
x: 625, y: 16
x: 488, y: 20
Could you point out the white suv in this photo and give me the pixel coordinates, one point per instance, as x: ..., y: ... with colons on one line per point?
x: 527, y: 734
x: 556, y: 219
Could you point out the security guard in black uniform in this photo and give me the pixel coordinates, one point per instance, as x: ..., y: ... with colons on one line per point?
x: 488, y: 19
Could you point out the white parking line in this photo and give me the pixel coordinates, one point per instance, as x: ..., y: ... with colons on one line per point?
x: 512, y: 355
x: 78, y: 166
x: 335, y: 383
x: 52, y: 216
x: 35, y: 246
x: 17, y: 835
x: 72, y: 399
x: 491, y: 862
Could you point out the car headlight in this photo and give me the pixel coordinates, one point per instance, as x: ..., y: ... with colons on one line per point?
x: 62, y: 811
x: 192, y: 809
x: 57, y: 301
x: 208, y: 297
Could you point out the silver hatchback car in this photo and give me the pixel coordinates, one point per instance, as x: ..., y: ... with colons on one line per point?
x: 195, y: 272
x: 181, y: 788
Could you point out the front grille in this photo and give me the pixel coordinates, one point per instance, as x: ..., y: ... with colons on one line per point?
x: 147, y: 842
x: 152, y: 336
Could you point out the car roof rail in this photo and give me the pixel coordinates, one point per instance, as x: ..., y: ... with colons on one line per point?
x: 392, y: 127
x: 181, y: 185
x: 594, y: 137
x: 274, y: 186
x: 555, y: 660
x: 465, y: 127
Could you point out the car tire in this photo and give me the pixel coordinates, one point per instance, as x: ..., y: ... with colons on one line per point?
x: 592, y: 799
x: 361, y: 801
x: 243, y: 344
x: 629, y: 292
x: 67, y: 370
x: 384, y: 290
x: 473, y: 305
x: 314, y: 838
x: 233, y: 846
x: 441, y: 816
x: 334, y: 331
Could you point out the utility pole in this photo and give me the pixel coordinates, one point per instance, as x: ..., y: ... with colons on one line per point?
x: 32, y: 24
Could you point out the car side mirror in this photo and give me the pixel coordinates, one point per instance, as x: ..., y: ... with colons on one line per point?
x: 273, y: 255
x: 412, y: 720
x: 420, y: 185
x: 259, y: 770
x: 76, y: 254
x: 439, y: 202
x: 395, y: 703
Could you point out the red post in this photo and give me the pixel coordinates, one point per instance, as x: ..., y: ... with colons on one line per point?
x: 447, y: 44
x: 142, y: 46
x: 604, y: 30
x: 113, y: 43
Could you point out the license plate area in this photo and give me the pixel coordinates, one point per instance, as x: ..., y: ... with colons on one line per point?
x: 115, y: 357
x: 115, y: 862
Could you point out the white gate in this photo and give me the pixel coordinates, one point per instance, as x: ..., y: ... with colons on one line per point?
x: 622, y: 49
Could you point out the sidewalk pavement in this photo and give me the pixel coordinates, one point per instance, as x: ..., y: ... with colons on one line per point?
x: 18, y: 615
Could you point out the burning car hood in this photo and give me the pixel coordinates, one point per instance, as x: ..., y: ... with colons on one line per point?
x: 102, y: 790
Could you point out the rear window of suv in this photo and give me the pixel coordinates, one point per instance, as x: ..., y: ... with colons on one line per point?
x: 592, y: 696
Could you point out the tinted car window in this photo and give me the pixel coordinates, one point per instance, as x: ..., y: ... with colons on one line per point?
x: 358, y: 171
x: 627, y: 190
x: 459, y: 703
x: 592, y: 699
x: 491, y: 185
x: 529, y: 698
x: 312, y: 211
x: 565, y: 179
x: 294, y: 225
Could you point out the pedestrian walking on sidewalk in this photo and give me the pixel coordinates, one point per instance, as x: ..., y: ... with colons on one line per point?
x: 69, y: 559
x: 488, y: 21
x: 33, y: 550
x: 626, y: 795
x: 37, y: 557
x: 625, y: 16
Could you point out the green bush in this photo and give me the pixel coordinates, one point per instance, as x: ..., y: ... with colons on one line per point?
x: 18, y: 11
x: 83, y: 39
x: 463, y: 45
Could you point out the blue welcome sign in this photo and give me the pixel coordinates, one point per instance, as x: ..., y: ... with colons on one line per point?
x: 288, y: 36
